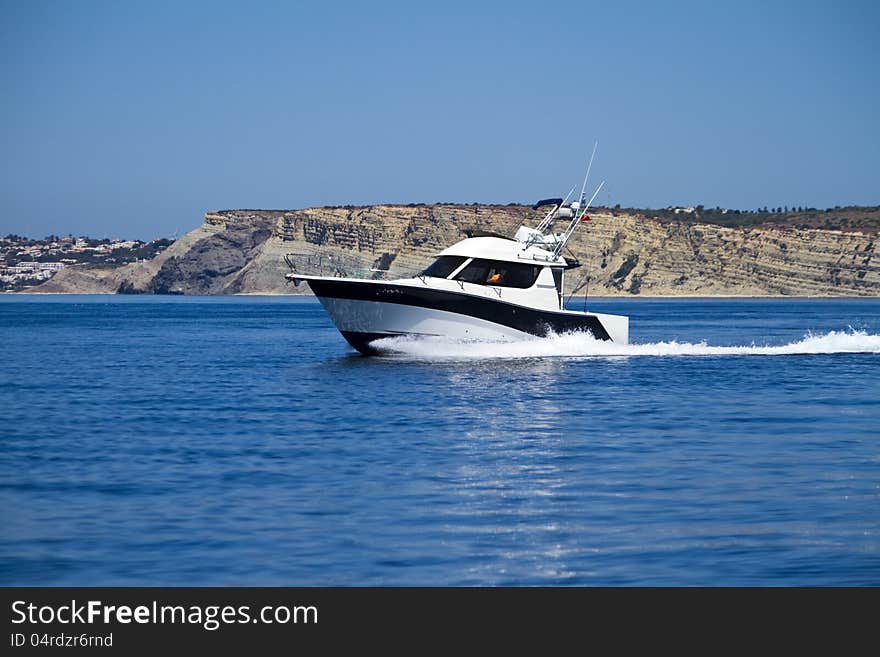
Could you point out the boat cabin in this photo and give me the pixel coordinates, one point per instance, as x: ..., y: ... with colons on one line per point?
x: 501, y: 267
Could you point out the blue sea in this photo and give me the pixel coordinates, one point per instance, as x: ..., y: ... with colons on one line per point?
x: 241, y: 441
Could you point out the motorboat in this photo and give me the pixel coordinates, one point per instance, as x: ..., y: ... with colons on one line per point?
x: 487, y: 287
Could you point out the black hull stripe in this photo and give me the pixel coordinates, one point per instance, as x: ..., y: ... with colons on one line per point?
x: 527, y: 320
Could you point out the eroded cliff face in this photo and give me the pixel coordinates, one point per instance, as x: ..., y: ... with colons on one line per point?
x: 242, y: 252
x: 213, y: 265
x: 648, y: 257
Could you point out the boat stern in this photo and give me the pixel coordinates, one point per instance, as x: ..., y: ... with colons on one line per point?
x: 617, y: 327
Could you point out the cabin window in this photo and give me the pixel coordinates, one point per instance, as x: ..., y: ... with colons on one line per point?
x: 557, y: 279
x: 501, y: 274
x: 443, y: 266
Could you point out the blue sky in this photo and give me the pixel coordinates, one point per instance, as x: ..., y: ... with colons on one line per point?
x: 134, y: 118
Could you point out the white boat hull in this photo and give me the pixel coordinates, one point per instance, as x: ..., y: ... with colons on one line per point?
x: 365, y: 311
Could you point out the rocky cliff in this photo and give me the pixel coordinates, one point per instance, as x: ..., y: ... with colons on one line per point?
x: 242, y: 252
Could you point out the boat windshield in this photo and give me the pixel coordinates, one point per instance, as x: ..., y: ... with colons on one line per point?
x: 501, y: 274
x: 443, y: 266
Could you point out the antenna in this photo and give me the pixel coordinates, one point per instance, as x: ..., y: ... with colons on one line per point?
x: 589, y: 276
x: 589, y: 166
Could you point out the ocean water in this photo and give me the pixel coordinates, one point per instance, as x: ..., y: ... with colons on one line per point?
x: 240, y: 441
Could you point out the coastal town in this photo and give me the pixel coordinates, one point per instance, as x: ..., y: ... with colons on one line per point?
x: 25, y: 262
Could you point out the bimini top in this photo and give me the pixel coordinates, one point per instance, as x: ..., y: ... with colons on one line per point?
x: 499, y: 248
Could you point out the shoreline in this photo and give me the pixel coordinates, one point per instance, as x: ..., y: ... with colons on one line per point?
x: 573, y: 297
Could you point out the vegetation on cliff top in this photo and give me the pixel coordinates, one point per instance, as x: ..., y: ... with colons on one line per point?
x: 850, y: 218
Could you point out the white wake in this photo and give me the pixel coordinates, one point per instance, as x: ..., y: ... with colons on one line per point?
x: 583, y: 345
